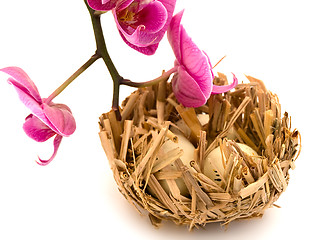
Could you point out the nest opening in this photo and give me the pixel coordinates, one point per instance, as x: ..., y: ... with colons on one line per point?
x: 223, y: 161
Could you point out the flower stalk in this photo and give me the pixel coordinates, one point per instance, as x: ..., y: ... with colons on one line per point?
x: 103, y: 53
x: 164, y: 76
x: 116, y: 77
x: 84, y: 67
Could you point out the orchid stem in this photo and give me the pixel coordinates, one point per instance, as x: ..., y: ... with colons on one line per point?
x: 103, y: 53
x: 116, y: 77
x: 164, y: 76
x: 84, y: 67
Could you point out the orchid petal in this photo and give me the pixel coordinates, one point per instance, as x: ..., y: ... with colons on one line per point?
x: 143, y: 32
x: 101, y: 5
x: 188, y: 55
x: 222, y: 89
x: 27, y: 90
x: 56, y: 143
x: 60, y: 119
x: 174, y: 35
x: 187, y: 90
x: 106, y: 5
x: 149, y: 50
x: 30, y: 102
x: 19, y: 79
x: 153, y: 17
x: 169, y: 5
x: 196, y: 63
x: 36, y: 129
x: 122, y: 4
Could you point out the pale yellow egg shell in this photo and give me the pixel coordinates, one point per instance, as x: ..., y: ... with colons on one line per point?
x: 213, y: 163
x: 188, y: 152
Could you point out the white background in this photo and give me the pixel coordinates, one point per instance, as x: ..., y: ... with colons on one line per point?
x: 75, y: 197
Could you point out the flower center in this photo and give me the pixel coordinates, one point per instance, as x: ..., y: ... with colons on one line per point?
x: 129, y: 17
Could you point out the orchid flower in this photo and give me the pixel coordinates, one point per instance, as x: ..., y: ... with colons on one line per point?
x: 193, y: 82
x: 141, y: 23
x: 47, y: 119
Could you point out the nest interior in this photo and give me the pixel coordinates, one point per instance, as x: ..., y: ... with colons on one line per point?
x: 185, y: 190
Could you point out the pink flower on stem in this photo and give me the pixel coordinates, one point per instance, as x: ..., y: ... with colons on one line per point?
x: 193, y: 82
x: 141, y: 23
x: 47, y: 119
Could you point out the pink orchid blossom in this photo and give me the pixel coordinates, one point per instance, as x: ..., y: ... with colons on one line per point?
x: 107, y: 5
x: 143, y: 23
x: 47, y: 119
x: 193, y: 82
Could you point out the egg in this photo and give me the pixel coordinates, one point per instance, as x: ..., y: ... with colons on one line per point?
x: 213, y: 166
x: 188, y: 153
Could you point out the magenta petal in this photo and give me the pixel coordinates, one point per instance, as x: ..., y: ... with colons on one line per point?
x: 26, y: 89
x: 222, y: 89
x: 19, y: 79
x: 153, y: 17
x: 174, y: 35
x: 100, y: 5
x: 106, y: 5
x: 169, y: 5
x: 56, y: 143
x: 60, y: 118
x: 143, y: 31
x: 149, y: 50
x: 30, y: 103
x: 36, y: 129
x: 196, y: 63
x: 121, y: 4
x: 188, y: 54
x: 187, y: 90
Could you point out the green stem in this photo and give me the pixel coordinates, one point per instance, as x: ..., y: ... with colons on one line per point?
x: 103, y: 53
x: 163, y: 77
x: 116, y: 77
x: 94, y: 58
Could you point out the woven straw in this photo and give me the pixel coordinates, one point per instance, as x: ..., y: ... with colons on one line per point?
x: 244, y: 187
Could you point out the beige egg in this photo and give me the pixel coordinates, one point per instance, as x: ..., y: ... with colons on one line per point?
x: 188, y: 152
x: 203, y: 119
x: 248, y: 150
x: 213, y: 163
x: 182, y: 128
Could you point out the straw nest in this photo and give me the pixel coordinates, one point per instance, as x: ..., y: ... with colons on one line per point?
x: 238, y: 184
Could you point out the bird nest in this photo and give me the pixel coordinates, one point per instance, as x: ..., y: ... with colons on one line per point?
x: 153, y: 171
